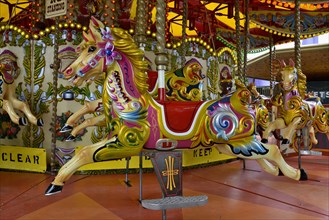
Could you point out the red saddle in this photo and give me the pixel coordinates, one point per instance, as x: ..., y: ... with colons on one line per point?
x: 179, y: 115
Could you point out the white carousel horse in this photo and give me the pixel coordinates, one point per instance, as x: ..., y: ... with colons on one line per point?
x: 293, y: 111
x: 9, y: 72
x: 137, y: 121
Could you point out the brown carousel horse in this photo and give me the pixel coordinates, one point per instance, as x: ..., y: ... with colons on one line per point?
x: 137, y: 121
x: 293, y: 111
x: 9, y: 72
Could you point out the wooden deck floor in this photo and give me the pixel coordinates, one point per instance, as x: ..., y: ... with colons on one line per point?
x: 233, y: 193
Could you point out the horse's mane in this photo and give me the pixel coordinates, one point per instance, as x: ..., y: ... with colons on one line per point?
x: 125, y: 43
x: 301, y: 83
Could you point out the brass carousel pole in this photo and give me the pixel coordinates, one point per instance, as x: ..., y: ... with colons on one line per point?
x: 246, y: 40
x: 161, y: 59
x: 237, y: 37
x: 271, y: 65
x: 298, y: 64
x: 140, y: 36
x: 245, y: 51
x: 184, y: 25
x: 55, y: 85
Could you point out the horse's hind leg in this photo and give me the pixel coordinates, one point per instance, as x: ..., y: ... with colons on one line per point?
x: 268, y: 167
x: 275, y: 156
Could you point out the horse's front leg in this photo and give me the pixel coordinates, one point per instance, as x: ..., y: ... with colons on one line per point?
x: 89, y: 107
x: 276, y: 124
x: 291, y: 128
x: 8, y: 107
x: 83, y: 157
x: 312, y: 135
x: 22, y: 106
x: 94, y: 121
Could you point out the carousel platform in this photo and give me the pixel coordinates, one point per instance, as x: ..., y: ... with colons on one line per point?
x: 233, y: 193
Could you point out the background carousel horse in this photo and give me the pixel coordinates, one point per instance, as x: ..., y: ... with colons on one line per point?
x: 137, y: 121
x: 9, y: 72
x: 184, y: 84
x: 293, y: 111
x: 262, y: 103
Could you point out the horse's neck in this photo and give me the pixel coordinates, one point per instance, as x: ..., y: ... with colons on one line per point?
x: 291, y: 93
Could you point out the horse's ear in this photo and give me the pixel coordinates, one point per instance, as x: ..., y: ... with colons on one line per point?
x: 94, y: 30
x: 96, y: 23
x: 283, y: 64
x: 87, y: 37
x: 291, y: 63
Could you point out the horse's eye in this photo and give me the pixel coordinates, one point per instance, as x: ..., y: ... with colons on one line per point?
x: 91, y: 49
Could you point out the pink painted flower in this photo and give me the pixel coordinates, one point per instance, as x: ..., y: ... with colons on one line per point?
x: 106, y: 34
x: 111, y: 55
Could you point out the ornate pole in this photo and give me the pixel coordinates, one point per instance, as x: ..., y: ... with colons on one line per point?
x: 184, y: 25
x: 271, y: 65
x: 246, y: 40
x: 297, y: 35
x: 238, y: 41
x: 161, y: 59
x: 55, y: 85
x: 298, y: 65
x: 140, y: 27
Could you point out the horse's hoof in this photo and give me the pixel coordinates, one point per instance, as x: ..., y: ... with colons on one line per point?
x: 53, y: 189
x: 70, y: 138
x: 66, y: 128
x: 280, y: 173
x: 264, y: 140
x: 22, y: 121
x: 285, y: 141
x: 40, y: 122
x: 303, y: 175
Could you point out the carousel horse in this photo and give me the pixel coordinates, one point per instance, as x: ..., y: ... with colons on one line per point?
x: 183, y: 84
x: 293, y: 111
x: 264, y: 103
x: 137, y: 121
x: 261, y: 104
x: 9, y: 72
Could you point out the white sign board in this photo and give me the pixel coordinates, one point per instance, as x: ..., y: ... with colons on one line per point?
x: 55, y: 8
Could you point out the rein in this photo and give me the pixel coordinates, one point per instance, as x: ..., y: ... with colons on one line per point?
x: 93, y: 62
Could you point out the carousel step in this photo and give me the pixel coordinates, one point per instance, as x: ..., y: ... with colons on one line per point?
x: 174, y: 202
x: 310, y: 152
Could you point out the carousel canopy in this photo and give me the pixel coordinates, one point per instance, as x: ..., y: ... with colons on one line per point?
x: 212, y: 21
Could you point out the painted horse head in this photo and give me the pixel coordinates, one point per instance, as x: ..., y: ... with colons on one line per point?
x: 9, y: 69
x: 288, y: 74
x: 96, y: 52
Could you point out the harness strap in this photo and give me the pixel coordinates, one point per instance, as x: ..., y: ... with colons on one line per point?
x: 92, y: 63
